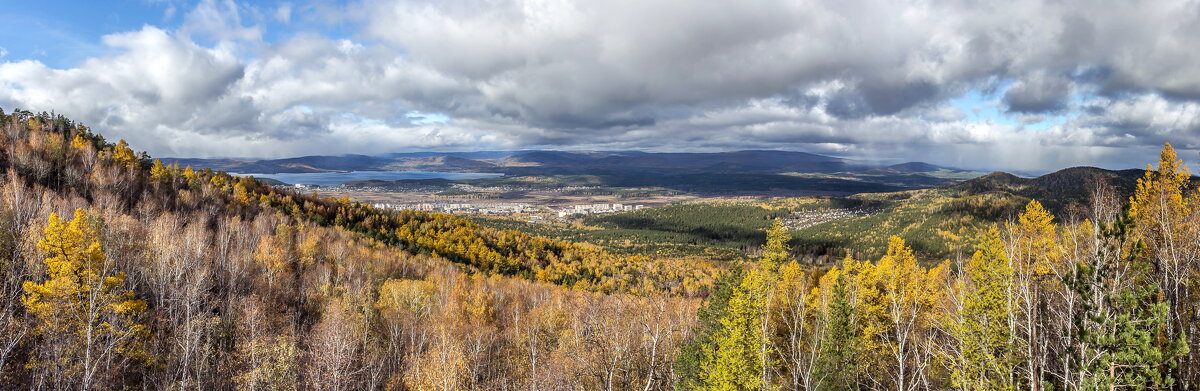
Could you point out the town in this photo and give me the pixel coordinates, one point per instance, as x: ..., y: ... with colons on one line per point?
x: 802, y: 219
x: 510, y: 208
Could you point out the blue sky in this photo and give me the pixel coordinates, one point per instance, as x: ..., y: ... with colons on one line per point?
x: 63, y: 33
x: 1026, y: 84
x: 987, y: 105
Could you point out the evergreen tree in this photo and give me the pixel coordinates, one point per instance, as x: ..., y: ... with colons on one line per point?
x: 836, y: 367
x: 1122, y: 326
x: 694, y: 353
x: 1164, y: 211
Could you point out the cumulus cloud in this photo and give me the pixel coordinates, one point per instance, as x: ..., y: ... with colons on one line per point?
x: 1038, y: 93
x: 852, y: 77
x: 157, y: 79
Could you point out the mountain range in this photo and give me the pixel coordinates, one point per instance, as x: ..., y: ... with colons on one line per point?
x: 560, y: 163
x: 723, y: 172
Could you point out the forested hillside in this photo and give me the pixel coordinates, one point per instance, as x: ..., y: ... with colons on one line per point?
x: 117, y: 272
x: 121, y: 273
x: 1104, y: 301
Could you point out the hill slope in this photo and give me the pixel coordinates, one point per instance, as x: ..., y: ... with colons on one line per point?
x: 1059, y: 190
x: 211, y: 281
x: 938, y: 223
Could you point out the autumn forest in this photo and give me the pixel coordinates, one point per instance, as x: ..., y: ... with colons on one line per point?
x: 120, y: 272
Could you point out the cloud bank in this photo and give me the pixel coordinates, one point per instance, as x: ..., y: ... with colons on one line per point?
x: 1063, y: 82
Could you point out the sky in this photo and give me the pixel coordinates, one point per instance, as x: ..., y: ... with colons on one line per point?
x: 986, y: 84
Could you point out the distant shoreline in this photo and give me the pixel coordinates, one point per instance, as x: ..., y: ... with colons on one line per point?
x: 331, y: 178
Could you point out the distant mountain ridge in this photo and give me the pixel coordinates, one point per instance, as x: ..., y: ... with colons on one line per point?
x: 1057, y: 190
x: 916, y: 167
x: 559, y: 162
x: 755, y: 171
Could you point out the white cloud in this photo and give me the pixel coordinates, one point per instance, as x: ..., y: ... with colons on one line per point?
x: 223, y: 21
x: 852, y: 77
x: 283, y: 13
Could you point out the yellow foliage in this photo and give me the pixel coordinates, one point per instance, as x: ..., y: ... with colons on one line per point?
x: 439, y: 368
x: 270, y: 364
x: 189, y: 173
x: 159, y: 172
x: 1158, y: 207
x: 413, y: 297
x: 122, y: 155
x: 1035, y: 238
x: 82, y: 304
x: 241, y: 195
x: 80, y: 143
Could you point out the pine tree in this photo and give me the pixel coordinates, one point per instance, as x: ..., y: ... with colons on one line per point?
x: 1122, y: 327
x: 1164, y: 215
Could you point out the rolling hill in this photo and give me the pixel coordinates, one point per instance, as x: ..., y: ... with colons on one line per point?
x: 937, y: 222
x: 158, y: 276
x: 563, y: 162
x: 757, y: 172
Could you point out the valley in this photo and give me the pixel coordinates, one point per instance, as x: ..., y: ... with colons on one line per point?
x: 573, y: 195
x: 549, y: 266
x: 566, y: 195
x: 668, y: 223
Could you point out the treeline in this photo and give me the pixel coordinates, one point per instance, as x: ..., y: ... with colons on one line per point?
x: 119, y: 273
x: 719, y: 224
x: 1105, y: 301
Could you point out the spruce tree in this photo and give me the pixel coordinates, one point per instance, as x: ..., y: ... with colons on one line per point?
x: 836, y: 367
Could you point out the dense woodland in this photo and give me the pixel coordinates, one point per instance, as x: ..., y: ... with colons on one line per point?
x: 121, y: 273
x: 117, y: 272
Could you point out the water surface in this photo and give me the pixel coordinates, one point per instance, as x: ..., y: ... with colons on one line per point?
x: 337, y: 178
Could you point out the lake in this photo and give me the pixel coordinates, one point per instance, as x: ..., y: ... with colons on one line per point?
x: 337, y: 178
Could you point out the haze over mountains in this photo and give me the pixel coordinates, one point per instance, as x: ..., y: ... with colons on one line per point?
x: 559, y: 162
x: 723, y: 171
